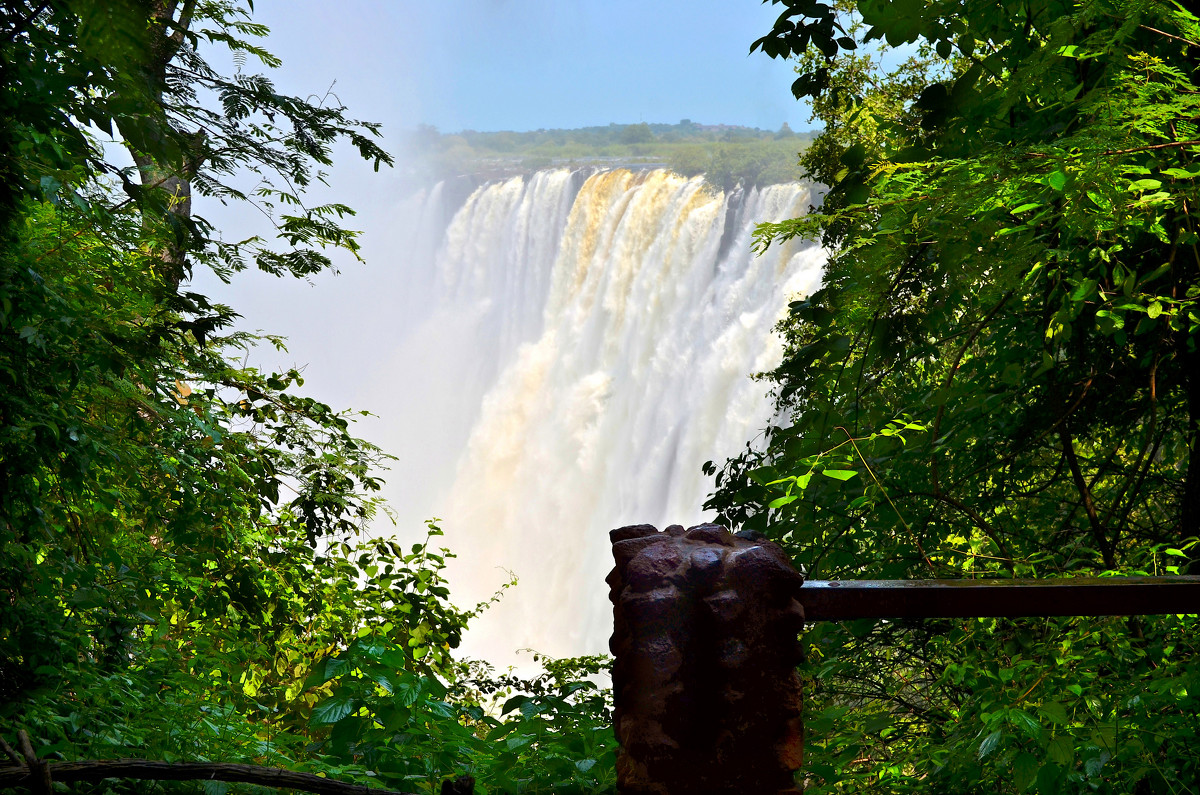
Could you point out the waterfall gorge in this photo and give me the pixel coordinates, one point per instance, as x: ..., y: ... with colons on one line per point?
x: 587, y: 346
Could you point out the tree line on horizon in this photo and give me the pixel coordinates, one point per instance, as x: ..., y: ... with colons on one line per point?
x: 727, y: 155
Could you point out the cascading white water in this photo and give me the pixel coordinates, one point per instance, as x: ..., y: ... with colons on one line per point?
x: 599, y: 334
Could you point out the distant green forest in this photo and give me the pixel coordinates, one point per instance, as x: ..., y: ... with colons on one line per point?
x: 726, y: 154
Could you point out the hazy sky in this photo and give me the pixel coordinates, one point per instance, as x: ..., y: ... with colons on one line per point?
x: 483, y: 65
x: 469, y: 64
x: 528, y: 64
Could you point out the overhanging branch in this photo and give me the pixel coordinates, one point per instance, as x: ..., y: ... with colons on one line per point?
x: 151, y: 770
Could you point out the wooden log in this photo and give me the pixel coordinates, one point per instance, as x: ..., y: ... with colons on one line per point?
x: 147, y: 769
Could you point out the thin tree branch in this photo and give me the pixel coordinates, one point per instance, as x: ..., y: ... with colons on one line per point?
x: 1151, y: 444
x: 39, y: 776
x: 9, y: 752
x: 1155, y: 146
x: 1110, y: 152
x: 1089, y: 504
x: 151, y: 770
x: 979, y: 521
x: 937, y: 422
x: 1042, y: 435
x: 1169, y: 35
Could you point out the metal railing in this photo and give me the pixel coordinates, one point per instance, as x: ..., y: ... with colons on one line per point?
x: 706, y: 691
x: 839, y: 600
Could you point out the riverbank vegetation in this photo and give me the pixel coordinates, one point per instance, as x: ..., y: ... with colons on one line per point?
x: 727, y: 155
x: 1001, y: 375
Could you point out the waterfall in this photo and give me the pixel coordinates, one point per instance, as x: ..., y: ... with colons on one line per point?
x: 588, y: 347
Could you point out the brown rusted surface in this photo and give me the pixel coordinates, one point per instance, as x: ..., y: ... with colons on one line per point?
x: 707, y: 696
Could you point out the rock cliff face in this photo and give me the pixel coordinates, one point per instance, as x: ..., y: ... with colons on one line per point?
x: 707, y: 696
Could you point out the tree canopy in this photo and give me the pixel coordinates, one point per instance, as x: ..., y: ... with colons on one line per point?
x: 183, y: 569
x: 999, y: 377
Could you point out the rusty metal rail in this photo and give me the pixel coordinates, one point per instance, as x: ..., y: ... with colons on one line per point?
x: 839, y: 600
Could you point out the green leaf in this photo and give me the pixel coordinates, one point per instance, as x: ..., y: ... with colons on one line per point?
x: 1109, y: 321
x: 1094, y: 764
x: 990, y: 743
x: 1057, y: 180
x: 407, y: 693
x: 839, y: 474
x: 1061, y: 750
x: 393, y: 718
x: 1084, y: 290
x: 518, y: 741
x: 1025, y: 722
x: 1054, y: 712
x: 502, y: 731
x: 1025, y: 770
x: 50, y: 187
x: 513, y: 703
x: 1048, y: 780
x: 333, y: 709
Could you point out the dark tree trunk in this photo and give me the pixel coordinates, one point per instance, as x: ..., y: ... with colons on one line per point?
x: 1189, y: 513
x: 169, y: 20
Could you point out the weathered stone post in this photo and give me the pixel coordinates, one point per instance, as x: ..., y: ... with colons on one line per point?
x: 707, y: 695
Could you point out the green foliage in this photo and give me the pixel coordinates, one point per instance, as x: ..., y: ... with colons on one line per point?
x: 1014, y: 273
x: 133, y: 71
x: 636, y: 134
x: 727, y: 164
x: 1029, y: 706
x: 183, y: 572
x: 550, y: 734
x: 726, y: 155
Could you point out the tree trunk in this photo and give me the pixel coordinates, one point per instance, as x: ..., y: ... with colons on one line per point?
x: 169, y: 19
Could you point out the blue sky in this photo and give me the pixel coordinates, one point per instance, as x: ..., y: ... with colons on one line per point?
x: 529, y: 64
x: 482, y: 65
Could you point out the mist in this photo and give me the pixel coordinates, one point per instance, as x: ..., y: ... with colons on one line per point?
x: 377, y: 335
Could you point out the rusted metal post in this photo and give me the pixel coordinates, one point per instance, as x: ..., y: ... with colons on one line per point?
x: 704, y: 678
